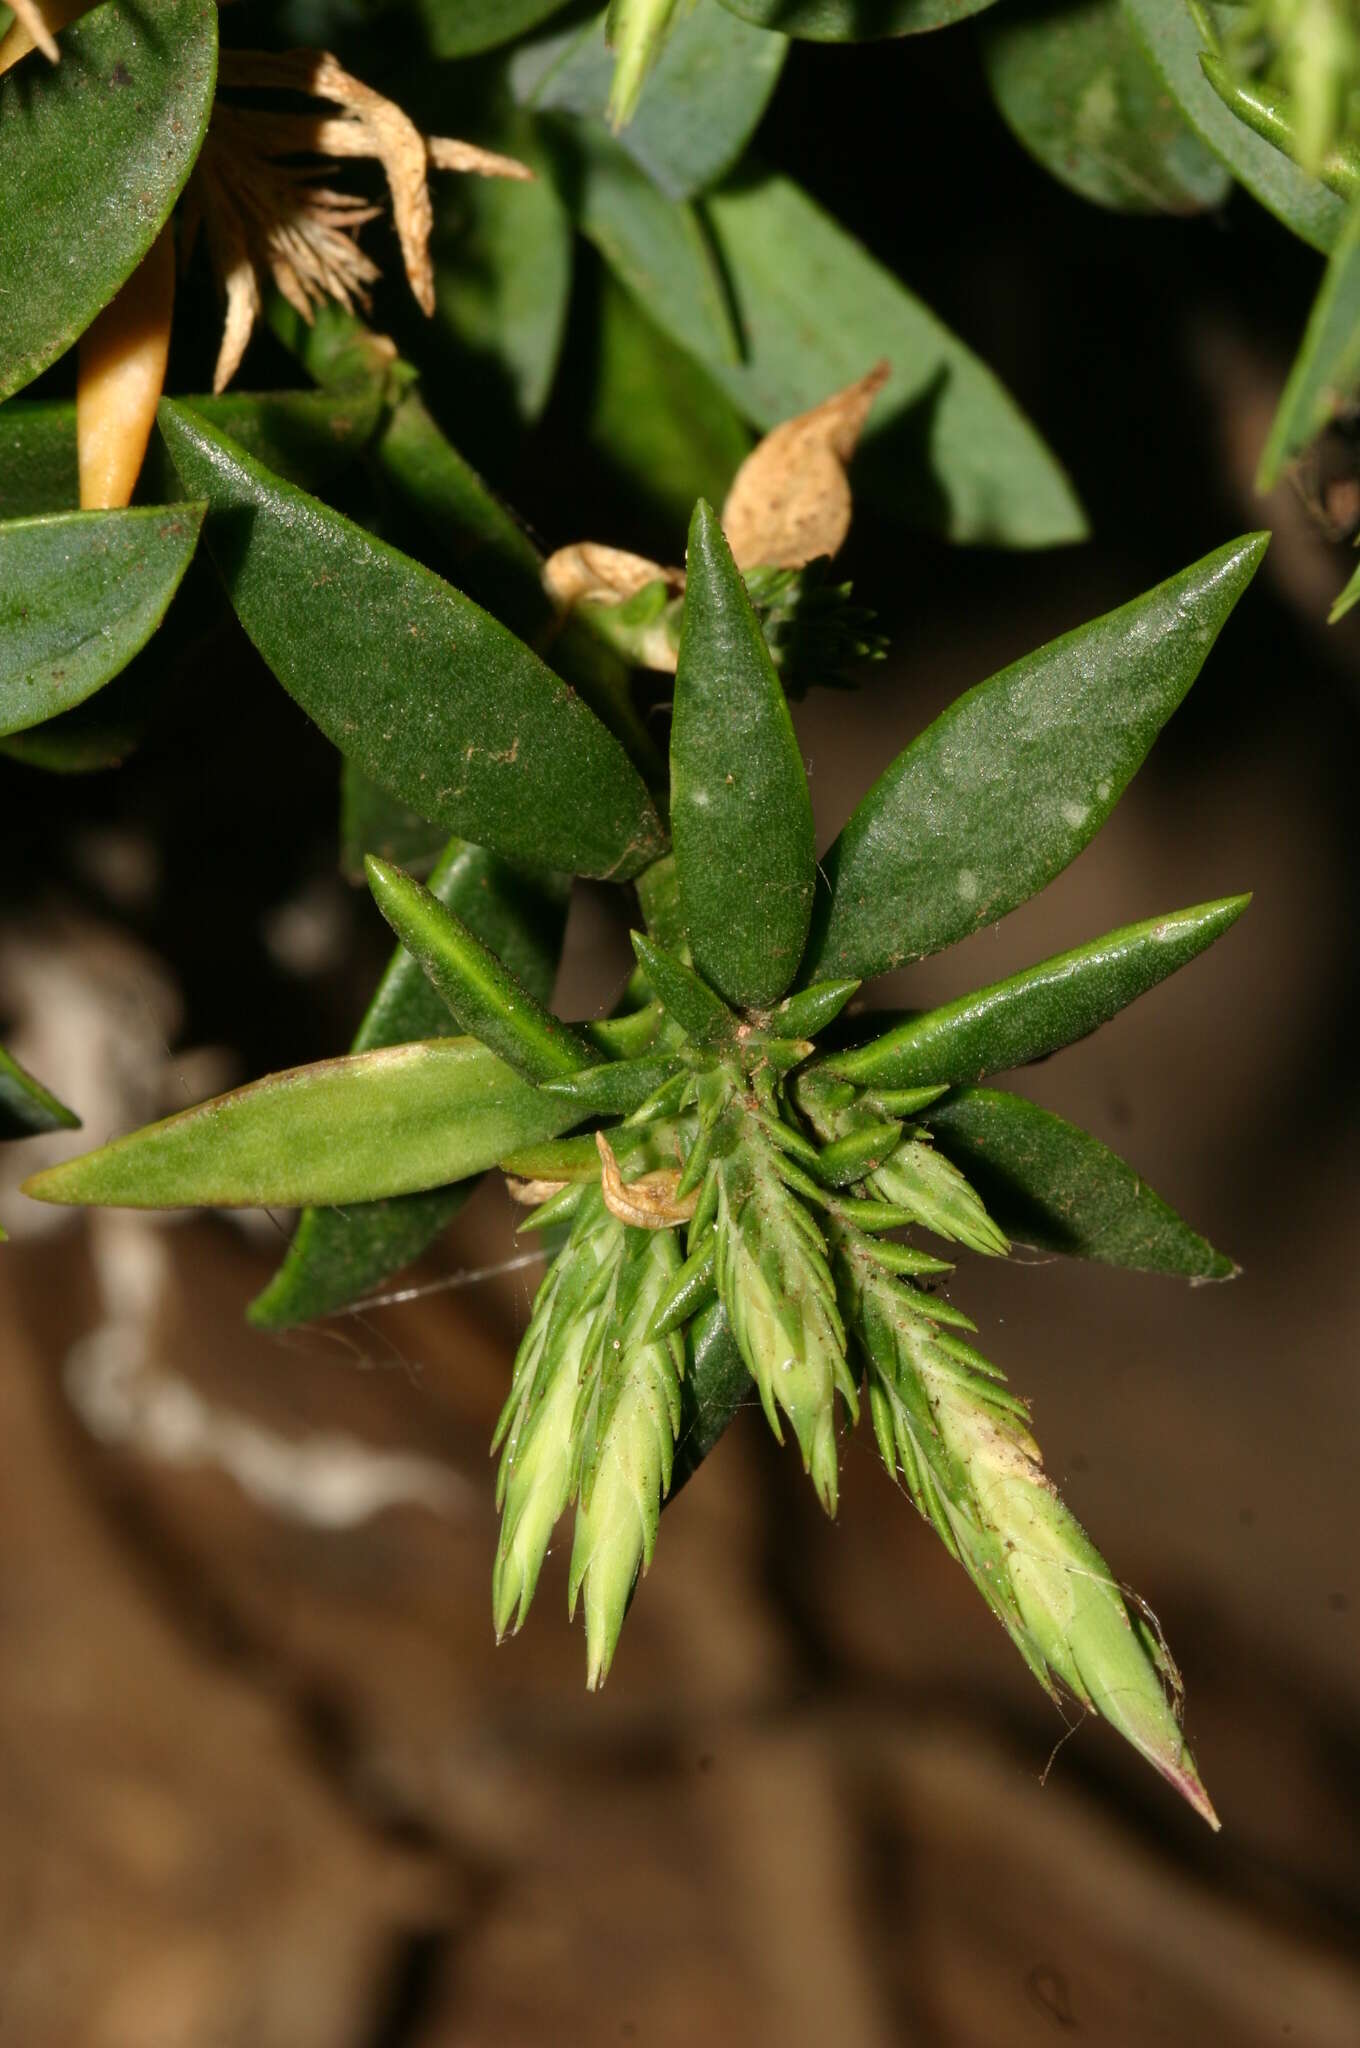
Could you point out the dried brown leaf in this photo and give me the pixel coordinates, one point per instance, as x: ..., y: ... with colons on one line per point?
x: 790, y: 500
x: 647, y: 1203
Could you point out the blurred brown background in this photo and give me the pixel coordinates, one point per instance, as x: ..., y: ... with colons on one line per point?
x: 265, y: 1777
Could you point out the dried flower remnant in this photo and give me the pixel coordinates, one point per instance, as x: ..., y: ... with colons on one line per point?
x: 34, y: 28
x: 267, y: 211
x: 789, y: 505
x: 790, y: 500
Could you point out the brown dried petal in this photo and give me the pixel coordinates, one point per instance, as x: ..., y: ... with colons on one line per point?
x: 532, y: 1194
x: 790, y: 500
x: 647, y: 1203
x: 588, y: 572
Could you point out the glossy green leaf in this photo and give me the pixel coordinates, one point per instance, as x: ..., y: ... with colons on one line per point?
x: 741, y: 815
x: 946, y: 446
x: 478, y: 539
x: 502, y: 255
x: 1326, y: 370
x: 615, y: 1089
x: 339, y: 1254
x: 93, y: 154
x: 460, y: 28
x: 689, y: 1001
x: 38, y: 458
x: 27, y: 1109
x: 1051, y: 1185
x: 309, y: 437
x: 436, y: 700
x: 80, y: 593
x: 357, y: 1129
x: 657, y: 421
x: 483, y: 995
x: 1036, y: 1012
x: 715, y: 1385
x: 704, y: 98
x: 1173, y: 42
x: 371, y: 821
x: 656, y: 247
x: 854, y: 21
x: 1076, y: 87
x: 1011, y: 782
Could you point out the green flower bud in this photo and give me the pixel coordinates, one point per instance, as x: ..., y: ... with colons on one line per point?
x: 539, y: 1423
x: 781, y: 1303
x: 919, y: 1178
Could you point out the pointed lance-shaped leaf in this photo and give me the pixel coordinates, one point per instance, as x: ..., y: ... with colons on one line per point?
x: 435, y: 699
x: 616, y: 1089
x: 27, y: 1109
x: 339, y: 1254
x: 1051, y: 1185
x: 482, y: 994
x: 1012, y: 781
x: 687, y: 1000
x: 1036, y: 1012
x: 716, y: 1383
x: 80, y: 594
x: 389, y: 1122
x: 1326, y: 370
x: 807, y: 1013
x: 741, y: 815
x: 115, y: 127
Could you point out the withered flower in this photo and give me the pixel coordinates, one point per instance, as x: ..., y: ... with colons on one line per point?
x: 267, y: 210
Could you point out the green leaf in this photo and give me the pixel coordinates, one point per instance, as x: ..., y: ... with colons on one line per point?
x: 460, y: 28
x: 502, y: 255
x: 309, y: 437
x: 1349, y: 597
x: 689, y: 1001
x: 484, y: 997
x: 1035, y: 1012
x: 1326, y: 370
x: 1051, y: 1185
x: 1075, y: 86
x: 615, y: 1089
x: 371, y: 821
x: 94, y: 154
x: 27, y: 1109
x: 435, y: 699
x: 478, y: 540
x: 946, y: 447
x: 38, y: 457
x: 703, y: 102
x: 80, y: 593
x: 1173, y: 42
x: 657, y: 421
x: 656, y: 247
x: 854, y: 21
x: 715, y: 1385
x: 339, y: 1254
x: 1012, y: 781
x: 390, y: 1122
x: 741, y: 816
